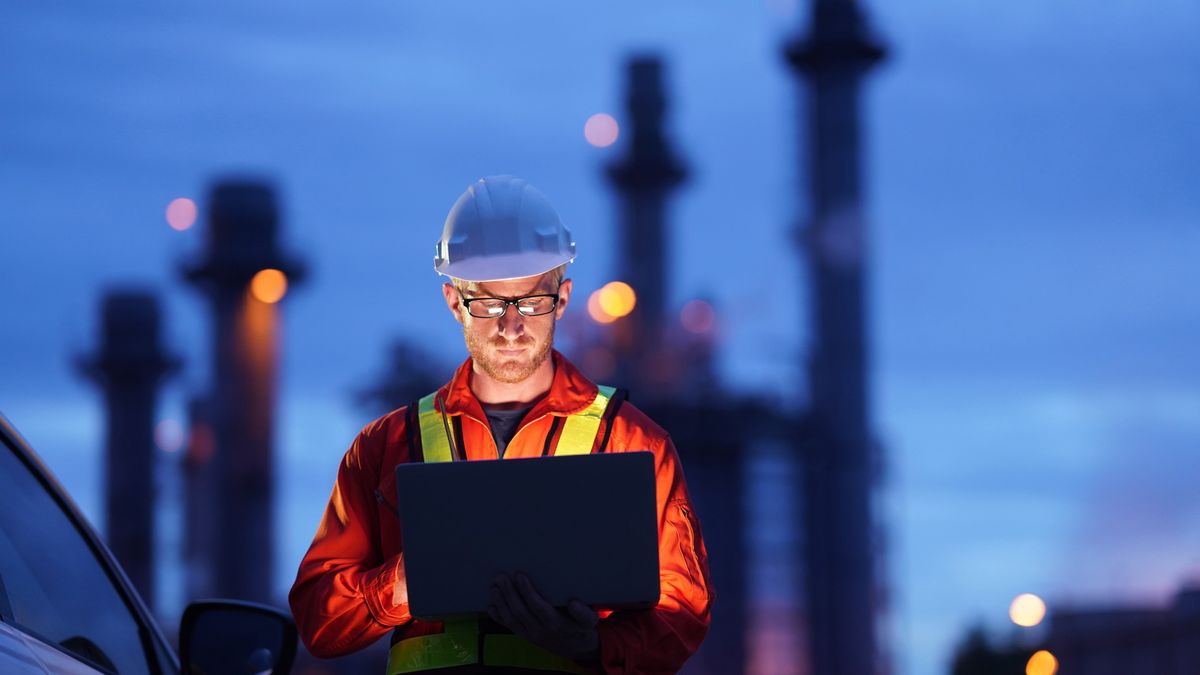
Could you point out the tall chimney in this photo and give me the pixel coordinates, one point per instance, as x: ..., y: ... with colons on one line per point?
x: 243, y: 273
x: 840, y: 579
x: 129, y: 367
x: 642, y: 180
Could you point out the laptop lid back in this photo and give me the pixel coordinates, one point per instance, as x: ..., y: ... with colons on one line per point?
x: 580, y: 526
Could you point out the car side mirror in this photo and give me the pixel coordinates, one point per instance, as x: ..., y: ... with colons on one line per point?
x: 218, y: 637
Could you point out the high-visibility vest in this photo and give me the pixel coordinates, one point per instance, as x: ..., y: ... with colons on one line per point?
x: 460, y: 643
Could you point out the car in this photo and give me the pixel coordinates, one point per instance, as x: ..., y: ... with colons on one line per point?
x: 66, y: 606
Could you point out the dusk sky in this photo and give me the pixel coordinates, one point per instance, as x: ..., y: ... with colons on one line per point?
x: 1033, y: 204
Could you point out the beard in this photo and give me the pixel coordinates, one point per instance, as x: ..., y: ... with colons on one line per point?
x: 506, y: 368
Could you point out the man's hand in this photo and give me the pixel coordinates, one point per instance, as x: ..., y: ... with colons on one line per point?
x: 516, y: 604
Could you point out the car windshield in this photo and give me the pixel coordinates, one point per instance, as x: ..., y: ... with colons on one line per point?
x: 52, y: 584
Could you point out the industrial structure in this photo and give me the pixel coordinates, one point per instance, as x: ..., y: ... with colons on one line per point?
x: 652, y: 357
x: 130, y: 366
x: 244, y: 273
x: 839, y: 461
x: 842, y: 582
x: 642, y: 180
x: 1129, y: 639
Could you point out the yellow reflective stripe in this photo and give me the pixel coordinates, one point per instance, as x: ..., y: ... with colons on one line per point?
x: 513, y: 652
x: 577, y: 437
x: 579, y: 430
x: 457, y: 646
x: 434, y: 444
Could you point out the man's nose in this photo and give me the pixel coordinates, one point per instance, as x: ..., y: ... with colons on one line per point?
x: 512, y: 322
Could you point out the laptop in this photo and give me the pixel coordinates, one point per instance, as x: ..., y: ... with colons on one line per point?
x: 580, y: 526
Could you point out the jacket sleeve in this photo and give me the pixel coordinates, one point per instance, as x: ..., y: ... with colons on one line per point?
x: 659, y: 640
x: 347, y: 596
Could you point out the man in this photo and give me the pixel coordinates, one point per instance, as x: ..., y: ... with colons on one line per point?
x: 505, y: 251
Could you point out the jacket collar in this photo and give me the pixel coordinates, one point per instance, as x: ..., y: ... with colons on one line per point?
x: 570, y: 392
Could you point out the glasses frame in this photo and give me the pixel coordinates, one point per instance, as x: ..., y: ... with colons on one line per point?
x: 555, y: 298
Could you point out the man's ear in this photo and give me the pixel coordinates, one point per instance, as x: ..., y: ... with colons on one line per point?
x: 564, y: 296
x: 453, y: 300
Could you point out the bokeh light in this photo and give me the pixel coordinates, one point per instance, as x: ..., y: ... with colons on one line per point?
x: 269, y: 286
x: 698, y: 316
x: 168, y: 435
x: 1041, y: 663
x: 596, y: 311
x: 601, y: 130
x: 1027, y: 610
x: 181, y: 213
x: 617, y: 298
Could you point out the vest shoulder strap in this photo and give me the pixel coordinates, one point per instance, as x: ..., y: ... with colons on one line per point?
x: 579, y: 430
x: 435, y: 445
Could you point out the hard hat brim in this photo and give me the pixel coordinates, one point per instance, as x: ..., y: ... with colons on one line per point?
x: 503, y: 267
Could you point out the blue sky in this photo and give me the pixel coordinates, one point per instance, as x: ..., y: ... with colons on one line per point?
x: 1032, y: 205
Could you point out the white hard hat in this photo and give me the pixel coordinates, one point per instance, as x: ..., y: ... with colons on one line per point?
x: 502, y: 228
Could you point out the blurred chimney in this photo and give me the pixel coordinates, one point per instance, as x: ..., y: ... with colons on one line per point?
x: 840, y: 578
x: 129, y: 368
x: 244, y: 274
x: 643, y: 179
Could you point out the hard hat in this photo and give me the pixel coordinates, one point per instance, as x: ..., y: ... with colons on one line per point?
x: 502, y: 228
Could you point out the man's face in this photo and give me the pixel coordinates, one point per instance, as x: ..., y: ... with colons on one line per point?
x: 511, y: 347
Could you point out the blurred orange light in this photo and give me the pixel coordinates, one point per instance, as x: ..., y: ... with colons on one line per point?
x: 181, y: 213
x: 601, y: 130
x: 617, y: 299
x: 1041, y: 663
x: 1027, y: 610
x: 168, y: 435
x: 269, y: 286
x: 698, y: 317
x: 596, y: 311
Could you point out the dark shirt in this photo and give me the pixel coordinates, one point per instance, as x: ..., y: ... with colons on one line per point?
x: 504, y: 424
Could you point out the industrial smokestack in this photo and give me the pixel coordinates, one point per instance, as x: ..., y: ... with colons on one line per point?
x: 244, y: 274
x: 129, y: 368
x: 841, y: 581
x: 643, y: 179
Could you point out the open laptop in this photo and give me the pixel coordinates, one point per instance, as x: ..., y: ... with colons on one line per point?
x: 580, y: 526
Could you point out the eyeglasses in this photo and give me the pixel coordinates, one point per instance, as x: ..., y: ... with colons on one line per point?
x: 494, y: 308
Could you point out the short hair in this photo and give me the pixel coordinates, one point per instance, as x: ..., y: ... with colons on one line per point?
x: 556, y: 275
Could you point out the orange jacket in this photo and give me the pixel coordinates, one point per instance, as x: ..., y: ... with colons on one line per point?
x: 350, y: 590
